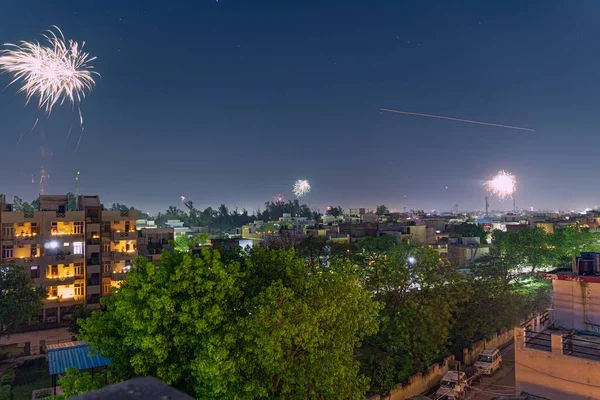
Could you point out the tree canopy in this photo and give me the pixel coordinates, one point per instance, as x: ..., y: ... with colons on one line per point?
x: 20, y: 299
x: 382, y: 210
x: 467, y: 229
x: 267, y: 324
x: 335, y: 211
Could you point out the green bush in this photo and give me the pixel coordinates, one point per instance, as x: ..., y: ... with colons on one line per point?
x: 5, y: 392
x: 7, y: 377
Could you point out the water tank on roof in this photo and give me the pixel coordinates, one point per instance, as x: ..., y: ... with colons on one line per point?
x: 586, y: 267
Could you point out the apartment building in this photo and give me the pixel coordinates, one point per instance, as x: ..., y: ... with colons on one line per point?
x: 78, y: 255
x: 557, y: 353
x: 152, y: 241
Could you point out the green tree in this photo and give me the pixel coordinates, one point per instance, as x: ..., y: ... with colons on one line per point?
x: 80, y: 313
x: 470, y: 230
x: 75, y: 382
x: 263, y: 325
x: 22, y: 206
x: 571, y: 241
x: 382, y: 210
x: 335, y: 211
x: 421, y: 292
x: 526, y: 250
x: 20, y: 299
x: 36, y: 204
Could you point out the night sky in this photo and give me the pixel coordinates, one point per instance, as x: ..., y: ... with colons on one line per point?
x: 232, y: 101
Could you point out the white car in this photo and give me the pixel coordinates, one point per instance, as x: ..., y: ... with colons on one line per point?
x: 489, y: 361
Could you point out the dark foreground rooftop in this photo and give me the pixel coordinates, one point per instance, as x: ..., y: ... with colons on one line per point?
x: 138, y: 388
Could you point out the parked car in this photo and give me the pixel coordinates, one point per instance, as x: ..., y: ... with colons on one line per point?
x: 453, y: 386
x: 489, y: 361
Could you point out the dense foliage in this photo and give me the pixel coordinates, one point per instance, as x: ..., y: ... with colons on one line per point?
x: 267, y: 324
x: 20, y: 299
x: 382, y: 210
x: 75, y: 382
x: 308, y: 318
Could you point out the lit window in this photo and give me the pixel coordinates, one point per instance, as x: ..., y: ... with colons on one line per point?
x: 79, y: 289
x: 78, y: 269
x: 77, y: 247
x: 7, y: 251
x: 66, y: 244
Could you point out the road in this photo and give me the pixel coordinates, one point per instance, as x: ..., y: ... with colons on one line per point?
x: 502, y: 383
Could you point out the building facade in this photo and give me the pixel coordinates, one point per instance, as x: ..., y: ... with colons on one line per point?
x: 557, y: 354
x: 78, y: 255
x: 152, y: 241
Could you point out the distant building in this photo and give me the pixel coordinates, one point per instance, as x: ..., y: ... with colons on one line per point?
x: 516, y: 227
x: 145, y: 224
x: 463, y: 251
x: 557, y: 353
x: 152, y: 241
x: 230, y: 243
x: 370, y: 218
x: 546, y: 226
x: 357, y: 212
x: 178, y: 228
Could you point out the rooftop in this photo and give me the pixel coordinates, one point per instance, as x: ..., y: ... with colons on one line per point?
x: 575, y: 343
x: 73, y: 355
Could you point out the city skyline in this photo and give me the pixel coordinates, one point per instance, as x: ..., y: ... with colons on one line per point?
x: 230, y: 102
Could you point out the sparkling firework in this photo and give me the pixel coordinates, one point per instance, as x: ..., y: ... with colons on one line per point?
x: 301, y: 187
x: 56, y: 72
x: 279, y: 198
x: 502, y: 185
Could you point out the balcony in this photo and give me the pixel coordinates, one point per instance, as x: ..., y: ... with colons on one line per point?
x: 65, y: 232
x: 118, y: 276
x: 25, y: 239
x: 92, y: 227
x: 93, y: 241
x: 93, y: 288
x: 55, y: 280
x: 131, y: 235
x: 92, y: 269
x: 123, y: 255
x: 63, y: 301
x: 27, y: 260
x: 64, y: 258
x: 92, y: 261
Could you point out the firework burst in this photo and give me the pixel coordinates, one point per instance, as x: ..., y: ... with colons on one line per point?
x: 279, y: 198
x: 502, y: 185
x: 56, y: 72
x: 301, y: 187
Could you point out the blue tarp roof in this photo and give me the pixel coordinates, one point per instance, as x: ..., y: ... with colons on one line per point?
x: 77, y: 356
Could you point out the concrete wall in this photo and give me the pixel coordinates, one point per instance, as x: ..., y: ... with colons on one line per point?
x: 497, y: 340
x: 420, y: 383
x: 576, y: 304
x: 552, y: 374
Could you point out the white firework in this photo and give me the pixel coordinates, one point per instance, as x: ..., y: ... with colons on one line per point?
x: 54, y: 72
x: 301, y: 187
x: 502, y: 185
